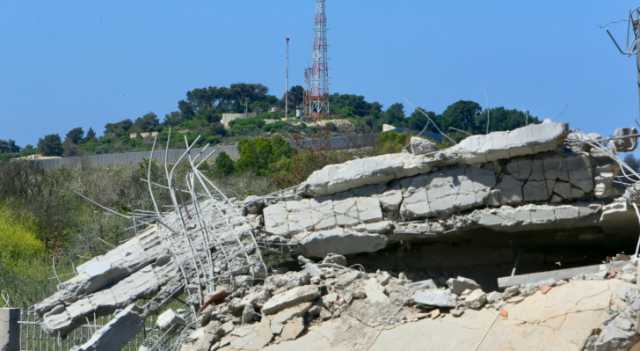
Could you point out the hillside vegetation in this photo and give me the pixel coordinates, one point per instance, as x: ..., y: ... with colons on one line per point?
x: 200, y: 113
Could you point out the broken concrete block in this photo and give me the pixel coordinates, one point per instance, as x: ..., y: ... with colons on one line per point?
x: 252, y: 338
x: 423, y: 285
x: 117, y: 333
x: 293, y: 329
x: 249, y: 314
x: 421, y: 146
x: 357, y: 173
x: 338, y: 240
x: 459, y: 284
x: 510, y: 190
x: 345, y: 279
x: 390, y: 201
x: 444, y: 193
x: 279, y: 319
x: 529, y: 140
x: 333, y: 258
x: 292, y: 217
x: 494, y: 297
x: 619, y: 333
x: 291, y: 298
x: 202, y: 338
x: 168, y: 319
x: 435, y: 298
x: 476, y: 299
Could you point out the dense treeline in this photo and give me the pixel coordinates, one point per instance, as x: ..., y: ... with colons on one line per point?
x: 200, y: 113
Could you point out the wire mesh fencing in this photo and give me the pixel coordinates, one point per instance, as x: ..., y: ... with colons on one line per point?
x: 33, y: 338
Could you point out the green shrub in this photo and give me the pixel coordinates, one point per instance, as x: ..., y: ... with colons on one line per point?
x: 260, y: 154
x: 17, y: 238
x: 24, y: 271
x: 247, y: 126
x: 391, y: 142
x: 224, y: 165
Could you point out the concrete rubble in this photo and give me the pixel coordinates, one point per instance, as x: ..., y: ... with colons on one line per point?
x: 347, y: 309
x: 537, y: 184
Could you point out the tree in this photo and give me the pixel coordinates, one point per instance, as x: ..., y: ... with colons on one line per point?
x: 50, y: 145
x: 118, y: 129
x: 8, y: 147
x: 29, y: 150
x: 224, y: 165
x: 70, y: 148
x: 417, y: 121
x: 395, y: 115
x: 218, y: 100
x: 147, y: 123
x: 91, y: 136
x: 186, y: 110
x: 174, y: 118
x: 260, y: 154
x: 502, y: 119
x: 346, y: 105
x: 296, y: 97
x: 461, y: 115
x: 75, y: 135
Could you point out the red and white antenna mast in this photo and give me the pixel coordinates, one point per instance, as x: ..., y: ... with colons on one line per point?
x: 317, y: 76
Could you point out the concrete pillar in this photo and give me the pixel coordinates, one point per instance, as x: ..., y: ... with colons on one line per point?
x: 9, y: 329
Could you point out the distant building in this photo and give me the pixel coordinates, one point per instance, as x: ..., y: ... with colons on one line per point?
x: 143, y: 135
x: 388, y: 128
x: 227, y: 118
x: 36, y: 157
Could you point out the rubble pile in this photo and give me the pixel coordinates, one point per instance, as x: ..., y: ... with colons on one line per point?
x: 540, y: 181
x: 288, y: 306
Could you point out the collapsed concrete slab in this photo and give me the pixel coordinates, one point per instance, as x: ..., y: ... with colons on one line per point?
x: 105, y: 270
x: 361, y: 172
x: 534, y: 178
x: 126, y: 291
x: 117, y: 333
x: 525, y: 141
x: 478, y: 149
x: 338, y: 240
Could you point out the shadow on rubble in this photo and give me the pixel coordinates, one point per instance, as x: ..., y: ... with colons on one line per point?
x: 486, y: 256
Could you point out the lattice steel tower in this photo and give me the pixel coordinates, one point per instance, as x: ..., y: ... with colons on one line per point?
x: 317, y: 76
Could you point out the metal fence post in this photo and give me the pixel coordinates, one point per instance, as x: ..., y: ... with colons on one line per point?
x: 9, y: 329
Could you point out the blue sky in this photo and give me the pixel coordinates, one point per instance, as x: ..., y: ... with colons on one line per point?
x: 84, y: 63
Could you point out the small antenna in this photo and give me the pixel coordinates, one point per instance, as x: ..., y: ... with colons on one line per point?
x: 486, y: 104
x: 286, y: 80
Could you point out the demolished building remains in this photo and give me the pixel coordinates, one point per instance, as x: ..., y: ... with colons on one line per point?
x: 535, y: 186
